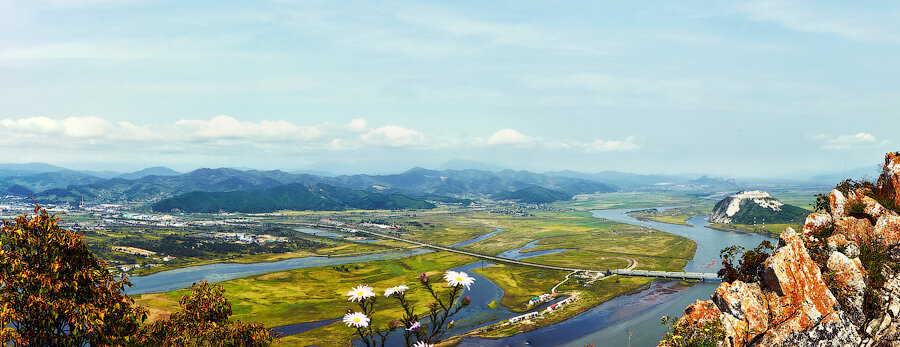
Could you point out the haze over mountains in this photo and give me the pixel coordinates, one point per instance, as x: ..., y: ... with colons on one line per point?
x: 50, y: 183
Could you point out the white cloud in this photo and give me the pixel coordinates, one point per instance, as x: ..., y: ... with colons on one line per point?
x: 828, y: 17
x: 77, y: 127
x: 358, y: 125
x: 32, y: 125
x: 509, y: 137
x: 84, y: 127
x: 846, y: 142
x: 225, y: 127
x: 393, y: 136
x: 612, y: 146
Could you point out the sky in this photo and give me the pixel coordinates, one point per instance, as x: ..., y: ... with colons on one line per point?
x: 738, y: 89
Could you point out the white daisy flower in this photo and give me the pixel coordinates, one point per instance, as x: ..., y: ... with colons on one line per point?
x: 394, y: 290
x: 423, y: 344
x: 454, y: 278
x: 356, y: 319
x: 360, y: 293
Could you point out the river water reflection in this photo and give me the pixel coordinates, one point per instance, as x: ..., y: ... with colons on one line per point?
x: 606, y: 324
x: 603, y: 325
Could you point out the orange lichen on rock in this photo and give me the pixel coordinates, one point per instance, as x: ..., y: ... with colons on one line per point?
x: 792, y: 298
x: 854, y: 229
x: 889, y: 182
x: 794, y: 304
x: 701, y: 312
x: 799, y: 296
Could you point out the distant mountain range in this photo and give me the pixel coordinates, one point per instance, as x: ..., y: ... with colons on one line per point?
x: 158, y: 183
x: 50, y: 183
x: 319, y: 197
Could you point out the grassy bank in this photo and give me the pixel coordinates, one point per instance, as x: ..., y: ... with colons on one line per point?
x: 520, y: 284
x: 588, y: 297
x: 605, y: 201
x: 677, y: 216
x: 314, y: 294
x: 770, y: 230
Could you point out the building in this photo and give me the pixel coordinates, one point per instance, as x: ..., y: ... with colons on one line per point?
x: 560, y: 304
x: 528, y: 315
x: 539, y: 299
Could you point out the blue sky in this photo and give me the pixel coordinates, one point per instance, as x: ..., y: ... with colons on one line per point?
x: 743, y: 89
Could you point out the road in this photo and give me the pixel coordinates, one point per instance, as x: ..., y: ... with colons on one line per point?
x: 628, y: 271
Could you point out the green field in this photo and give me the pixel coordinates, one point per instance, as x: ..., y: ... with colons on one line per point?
x: 602, y: 201
x: 313, y: 294
x: 679, y: 215
x: 520, y: 283
x: 587, y: 297
x: 800, y: 198
x: 771, y: 230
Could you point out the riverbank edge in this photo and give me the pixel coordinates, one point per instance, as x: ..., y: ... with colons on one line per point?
x: 159, y: 269
x: 559, y: 316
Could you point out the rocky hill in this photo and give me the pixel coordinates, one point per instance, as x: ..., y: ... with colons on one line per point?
x: 755, y: 206
x: 834, y: 283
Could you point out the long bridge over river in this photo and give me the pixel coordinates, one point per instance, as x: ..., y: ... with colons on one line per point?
x: 625, y: 272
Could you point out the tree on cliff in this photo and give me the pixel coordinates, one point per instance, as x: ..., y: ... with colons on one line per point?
x: 54, y: 291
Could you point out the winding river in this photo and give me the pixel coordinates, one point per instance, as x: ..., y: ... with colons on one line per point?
x: 607, y: 324
x: 603, y: 325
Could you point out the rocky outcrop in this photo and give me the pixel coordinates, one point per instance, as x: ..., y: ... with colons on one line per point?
x: 889, y: 182
x: 814, y: 289
x: 754, y: 206
x: 791, y: 306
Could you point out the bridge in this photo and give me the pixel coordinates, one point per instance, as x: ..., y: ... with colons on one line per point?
x: 674, y: 275
x: 624, y: 272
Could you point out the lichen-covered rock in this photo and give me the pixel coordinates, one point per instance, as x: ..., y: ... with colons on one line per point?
x: 836, y: 241
x: 887, y: 229
x: 838, y: 204
x: 795, y: 305
x: 815, y: 223
x: 848, y: 282
x: 854, y: 229
x: 873, y: 208
x: 792, y: 305
x: 701, y: 312
x: 889, y: 182
x: 835, y: 333
x: 745, y: 307
x: 885, y: 330
x: 799, y: 298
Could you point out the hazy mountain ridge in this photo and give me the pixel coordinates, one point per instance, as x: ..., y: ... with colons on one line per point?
x: 150, y: 171
x: 453, y: 186
x: 320, y: 197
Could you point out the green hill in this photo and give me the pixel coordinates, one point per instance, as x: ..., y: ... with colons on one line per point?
x: 755, y: 206
x: 320, y: 197
x: 533, y: 195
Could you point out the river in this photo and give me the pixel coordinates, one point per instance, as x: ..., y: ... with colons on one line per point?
x: 607, y: 323
x: 182, y: 278
x: 603, y: 325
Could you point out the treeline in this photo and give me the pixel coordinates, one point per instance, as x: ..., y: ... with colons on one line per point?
x: 183, y: 246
